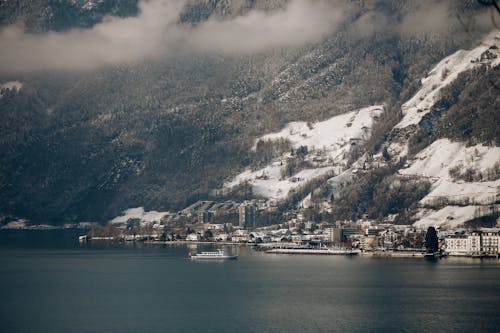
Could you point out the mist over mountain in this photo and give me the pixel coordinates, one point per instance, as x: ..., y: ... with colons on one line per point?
x: 120, y: 104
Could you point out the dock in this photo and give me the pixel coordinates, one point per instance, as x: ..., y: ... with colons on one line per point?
x: 319, y: 251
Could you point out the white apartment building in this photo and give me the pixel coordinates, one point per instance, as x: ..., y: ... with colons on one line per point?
x: 477, y: 243
x: 456, y: 245
x: 474, y: 243
x: 491, y: 242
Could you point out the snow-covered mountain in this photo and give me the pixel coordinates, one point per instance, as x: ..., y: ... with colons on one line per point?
x: 454, y: 200
x: 444, y: 73
x: 465, y: 179
x: 86, y: 135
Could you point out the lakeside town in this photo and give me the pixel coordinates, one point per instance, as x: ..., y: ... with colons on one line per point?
x: 236, y: 223
x: 230, y: 222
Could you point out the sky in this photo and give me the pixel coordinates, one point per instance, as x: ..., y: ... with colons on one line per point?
x: 155, y: 33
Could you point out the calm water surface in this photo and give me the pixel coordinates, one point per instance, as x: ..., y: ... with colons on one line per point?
x: 50, y: 283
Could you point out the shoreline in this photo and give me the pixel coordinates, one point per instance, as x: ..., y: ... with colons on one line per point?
x: 183, y: 242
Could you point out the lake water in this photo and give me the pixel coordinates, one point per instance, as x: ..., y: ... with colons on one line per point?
x: 50, y: 283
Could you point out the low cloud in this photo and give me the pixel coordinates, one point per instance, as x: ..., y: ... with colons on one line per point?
x: 370, y: 23
x: 425, y: 18
x: 156, y: 32
x: 434, y: 17
x: 114, y: 41
x: 301, y: 22
x: 429, y: 17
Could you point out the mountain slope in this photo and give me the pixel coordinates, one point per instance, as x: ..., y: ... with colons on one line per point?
x: 164, y: 132
x: 464, y: 172
x: 317, y: 149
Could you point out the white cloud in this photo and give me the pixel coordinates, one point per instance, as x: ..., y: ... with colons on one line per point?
x: 301, y: 22
x: 115, y: 40
x: 155, y: 32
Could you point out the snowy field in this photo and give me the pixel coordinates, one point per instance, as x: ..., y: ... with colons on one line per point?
x: 435, y: 162
x: 331, y: 139
x: 444, y: 73
x: 139, y: 213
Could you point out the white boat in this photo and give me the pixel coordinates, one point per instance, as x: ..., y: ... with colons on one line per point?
x: 206, y: 255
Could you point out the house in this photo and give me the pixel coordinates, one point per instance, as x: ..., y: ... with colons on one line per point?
x: 299, y: 239
x: 240, y: 236
x: 222, y: 237
x: 389, y: 238
x: 194, y: 237
x: 259, y: 237
x: 370, y: 242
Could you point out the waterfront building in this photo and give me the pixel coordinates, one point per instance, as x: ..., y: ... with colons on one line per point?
x: 490, y: 242
x: 340, y: 234
x: 373, y: 231
x: 193, y: 237
x: 389, y: 238
x: 221, y: 237
x: 246, y: 216
x: 456, y: 245
x: 370, y: 242
x: 259, y: 237
x: 474, y: 244
x: 240, y: 236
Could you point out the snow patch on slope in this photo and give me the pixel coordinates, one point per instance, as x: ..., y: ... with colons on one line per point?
x: 91, y: 4
x: 332, y: 133
x: 438, y: 158
x: 458, y: 192
x: 10, y: 85
x: 139, y: 213
x: 444, y: 73
x: 328, y: 143
x: 449, y: 216
x: 462, y: 197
